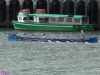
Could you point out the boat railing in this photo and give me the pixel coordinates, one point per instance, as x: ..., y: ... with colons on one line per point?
x: 55, y: 19
x: 60, y: 20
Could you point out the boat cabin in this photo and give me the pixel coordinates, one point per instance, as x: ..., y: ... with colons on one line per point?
x: 54, y: 19
x: 23, y: 17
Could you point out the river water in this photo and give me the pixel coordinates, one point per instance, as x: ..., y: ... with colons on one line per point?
x: 38, y: 58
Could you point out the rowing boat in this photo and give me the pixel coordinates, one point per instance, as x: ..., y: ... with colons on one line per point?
x: 12, y: 37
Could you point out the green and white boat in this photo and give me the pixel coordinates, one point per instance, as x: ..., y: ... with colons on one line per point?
x: 52, y: 22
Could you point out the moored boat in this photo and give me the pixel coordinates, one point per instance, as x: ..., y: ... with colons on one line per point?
x: 52, y: 22
x: 14, y: 37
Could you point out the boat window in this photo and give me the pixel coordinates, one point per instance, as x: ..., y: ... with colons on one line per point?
x: 41, y: 20
x: 77, y: 20
x: 84, y: 19
x: 20, y: 18
x: 69, y: 19
x: 24, y: 18
x: 52, y: 19
x: 60, y: 19
x: 46, y: 20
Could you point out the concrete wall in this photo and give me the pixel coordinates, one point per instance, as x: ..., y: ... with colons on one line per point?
x: 34, y: 3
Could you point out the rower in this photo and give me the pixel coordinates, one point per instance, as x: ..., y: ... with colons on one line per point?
x: 83, y: 35
x: 34, y: 36
x: 71, y: 38
x: 17, y: 34
x: 53, y: 37
x: 60, y: 36
x: 43, y: 36
x: 25, y: 36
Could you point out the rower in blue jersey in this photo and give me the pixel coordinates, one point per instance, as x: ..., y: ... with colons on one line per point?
x: 51, y: 37
x: 44, y: 36
x: 16, y: 35
x: 60, y: 36
x: 83, y: 35
x: 25, y: 36
x: 34, y: 36
x: 71, y: 38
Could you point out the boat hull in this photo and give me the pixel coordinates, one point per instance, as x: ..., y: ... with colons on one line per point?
x: 51, y: 27
x: 13, y: 37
